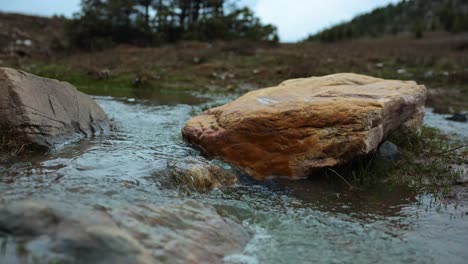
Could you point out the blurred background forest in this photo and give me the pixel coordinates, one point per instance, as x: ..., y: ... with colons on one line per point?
x: 102, y: 24
x: 132, y: 48
x: 415, y: 17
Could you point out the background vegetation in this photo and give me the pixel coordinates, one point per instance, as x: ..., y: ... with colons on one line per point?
x: 104, y: 23
x: 410, y: 16
x: 135, y: 48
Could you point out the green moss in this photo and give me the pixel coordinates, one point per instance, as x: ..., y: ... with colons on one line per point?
x: 56, y: 262
x: 121, y: 84
x: 4, y: 243
x: 80, y: 79
x: 21, y: 248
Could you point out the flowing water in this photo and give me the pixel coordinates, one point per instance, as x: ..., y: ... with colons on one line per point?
x: 307, y: 221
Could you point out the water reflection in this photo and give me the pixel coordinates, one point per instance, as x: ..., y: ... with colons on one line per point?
x: 383, y: 201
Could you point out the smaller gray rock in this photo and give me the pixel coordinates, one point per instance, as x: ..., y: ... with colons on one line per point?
x: 388, y: 151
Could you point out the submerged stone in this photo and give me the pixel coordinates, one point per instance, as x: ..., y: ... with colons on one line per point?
x: 199, y: 174
x: 190, y: 232
x: 53, y: 235
x: 187, y: 232
x: 458, y: 118
x: 46, y: 113
x: 303, y: 125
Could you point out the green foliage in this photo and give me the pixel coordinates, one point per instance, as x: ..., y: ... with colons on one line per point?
x: 418, y: 30
x: 21, y: 248
x: 413, y: 16
x: 104, y: 23
x: 460, y: 23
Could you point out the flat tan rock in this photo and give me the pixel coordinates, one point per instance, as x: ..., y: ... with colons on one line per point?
x: 302, y: 125
x: 46, y: 113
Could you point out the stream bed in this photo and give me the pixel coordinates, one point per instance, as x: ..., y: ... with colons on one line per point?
x: 306, y: 221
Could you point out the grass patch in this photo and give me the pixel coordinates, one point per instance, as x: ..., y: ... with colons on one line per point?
x: 429, y: 161
x: 11, y: 145
x: 80, y: 79
x: 428, y: 164
x: 121, y: 84
x: 21, y: 248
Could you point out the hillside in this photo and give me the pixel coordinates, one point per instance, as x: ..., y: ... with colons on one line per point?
x: 27, y: 36
x: 411, y: 17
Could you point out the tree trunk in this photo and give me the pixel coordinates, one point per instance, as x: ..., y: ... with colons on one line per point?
x: 147, y: 14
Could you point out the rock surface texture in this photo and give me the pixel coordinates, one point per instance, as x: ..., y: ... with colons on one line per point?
x: 189, y: 232
x: 51, y: 235
x: 46, y: 113
x: 302, y: 125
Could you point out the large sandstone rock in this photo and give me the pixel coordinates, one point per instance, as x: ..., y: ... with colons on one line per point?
x: 306, y: 124
x: 45, y: 112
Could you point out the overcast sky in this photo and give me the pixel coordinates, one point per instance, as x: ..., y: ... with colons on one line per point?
x: 295, y: 19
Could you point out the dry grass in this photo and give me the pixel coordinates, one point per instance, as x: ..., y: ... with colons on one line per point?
x: 43, y: 32
x: 439, y: 60
x: 11, y: 145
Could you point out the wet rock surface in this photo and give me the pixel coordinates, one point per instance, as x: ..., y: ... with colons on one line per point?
x: 199, y: 174
x: 46, y: 113
x: 189, y: 232
x: 184, y: 233
x: 51, y: 234
x: 306, y: 124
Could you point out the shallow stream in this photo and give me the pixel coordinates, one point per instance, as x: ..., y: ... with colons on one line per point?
x: 305, y: 221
